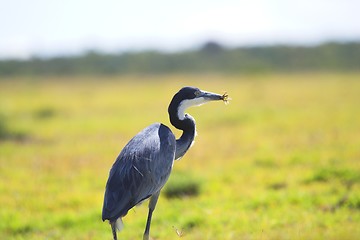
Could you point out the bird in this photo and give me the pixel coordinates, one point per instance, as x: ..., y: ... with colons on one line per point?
x: 144, y: 165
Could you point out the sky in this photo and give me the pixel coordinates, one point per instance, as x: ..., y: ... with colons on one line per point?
x: 65, y: 27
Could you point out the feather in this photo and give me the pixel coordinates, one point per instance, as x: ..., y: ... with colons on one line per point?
x: 119, y: 224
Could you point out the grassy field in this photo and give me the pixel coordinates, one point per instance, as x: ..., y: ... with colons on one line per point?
x: 281, y: 161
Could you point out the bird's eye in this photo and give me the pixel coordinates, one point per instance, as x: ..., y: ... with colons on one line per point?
x: 197, y: 93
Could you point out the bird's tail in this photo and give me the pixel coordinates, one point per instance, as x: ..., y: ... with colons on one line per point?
x: 116, y: 226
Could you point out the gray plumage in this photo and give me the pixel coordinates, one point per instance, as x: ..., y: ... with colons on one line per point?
x: 140, y: 170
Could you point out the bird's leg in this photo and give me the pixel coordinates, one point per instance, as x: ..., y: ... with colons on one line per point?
x: 152, y: 204
x: 113, y: 228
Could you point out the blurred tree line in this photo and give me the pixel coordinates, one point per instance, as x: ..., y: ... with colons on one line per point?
x: 211, y: 57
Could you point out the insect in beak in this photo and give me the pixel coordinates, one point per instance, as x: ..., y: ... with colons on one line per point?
x: 225, y: 97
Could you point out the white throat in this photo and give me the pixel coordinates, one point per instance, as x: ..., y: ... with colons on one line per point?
x: 189, y: 103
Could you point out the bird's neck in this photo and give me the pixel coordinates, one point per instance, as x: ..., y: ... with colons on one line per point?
x: 186, y: 139
x: 187, y: 125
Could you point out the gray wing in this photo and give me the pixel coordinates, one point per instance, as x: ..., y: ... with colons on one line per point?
x: 141, y: 169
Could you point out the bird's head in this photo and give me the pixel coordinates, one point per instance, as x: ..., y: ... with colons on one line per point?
x: 191, y: 96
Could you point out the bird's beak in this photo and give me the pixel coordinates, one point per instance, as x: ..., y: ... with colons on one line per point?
x: 209, y: 96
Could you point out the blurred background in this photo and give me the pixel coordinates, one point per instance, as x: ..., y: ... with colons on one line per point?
x: 78, y: 79
x: 117, y: 37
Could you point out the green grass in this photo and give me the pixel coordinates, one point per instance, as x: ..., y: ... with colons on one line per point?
x: 281, y: 161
